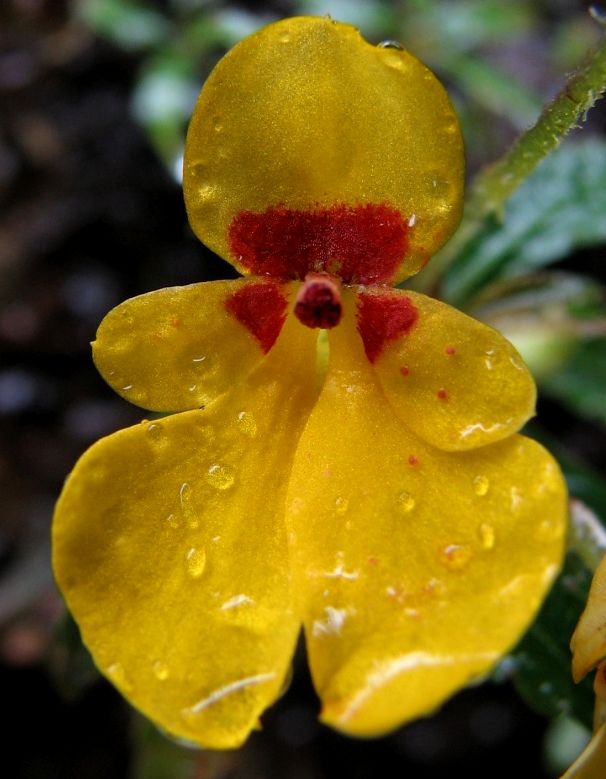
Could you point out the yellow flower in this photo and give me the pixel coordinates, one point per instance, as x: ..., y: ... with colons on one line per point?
x: 383, y: 502
x: 588, y: 646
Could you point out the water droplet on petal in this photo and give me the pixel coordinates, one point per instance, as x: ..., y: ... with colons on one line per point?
x: 390, y: 44
x: 341, y: 505
x: 221, y: 477
x: 117, y: 674
x: 154, y: 429
x: 456, y: 556
x: 186, y: 507
x: 247, y: 424
x: 481, y: 485
x: 161, y: 671
x: 487, y: 535
x: 196, y: 562
x: 405, y: 502
x: 172, y: 520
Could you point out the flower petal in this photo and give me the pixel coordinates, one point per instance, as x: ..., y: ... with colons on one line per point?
x: 456, y: 382
x: 179, y: 348
x: 311, y: 149
x: 592, y: 761
x: 169, y: 546
x: 416, y: 568
x: 588, y: 643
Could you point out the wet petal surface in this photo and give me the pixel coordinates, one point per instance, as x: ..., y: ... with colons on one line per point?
x: 323, y: 144
x: 170, y: 548
x: 588, y: 642
x: 456, y: 382
x: 179, y: 348
x: 416, y: 568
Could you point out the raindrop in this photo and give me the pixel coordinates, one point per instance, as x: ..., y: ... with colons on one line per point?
x: 247, y: 424
x: 196, y: 562
x: 285, y: 38
x: 186, y: 508
x: 487, y: 535
x: 456, y: 556
x: 481, y: 485
x: 161, y: 671
x: 172, y: 520
x: 341, y: 505
x: 118, y: 676
x: 405, y: 502
x: 198, y: 359
x: 221, y: 477
x: 390, y: 44
x: 154, y: 429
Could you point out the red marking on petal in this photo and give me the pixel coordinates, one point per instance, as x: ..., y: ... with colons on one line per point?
x: 318, y: 302
x: 442, y: 394
x: 450, y: 350
x: 261, y: 308
x: 382, y: 318
x: 413, y: 459
x: 372, y: 560
x: 405, y: 370
x: 361, y: 244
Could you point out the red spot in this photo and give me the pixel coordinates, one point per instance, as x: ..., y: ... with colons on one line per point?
x: 175, y: 322
x: 413, y: 459
x: 383, y: 318
x: 405, y: 370
x: 361, y: 244
x: 450, y: 350
x: 261, y: 308
x: 442, y: 394
x: 372, y: 560
x: 318, y: 302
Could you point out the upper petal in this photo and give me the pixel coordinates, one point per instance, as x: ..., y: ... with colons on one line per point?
x: 456, y: 382
x: 588, y: 642
x: 311, y: 149
x: 179, y: 348
x: 416, y: 568
x: 170, y: 548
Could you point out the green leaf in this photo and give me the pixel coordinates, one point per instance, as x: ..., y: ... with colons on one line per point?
x: 580, y: 385
x: 541, y: 662
x: 560, y: 207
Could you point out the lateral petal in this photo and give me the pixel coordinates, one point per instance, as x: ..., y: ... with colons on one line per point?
x: 170, y: 549
x: 416, y: 568
x: 588, y: 643
x: 178, y: 348
x: 456, y: 382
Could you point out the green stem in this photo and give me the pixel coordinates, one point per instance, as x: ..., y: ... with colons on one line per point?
x: 494, y: 185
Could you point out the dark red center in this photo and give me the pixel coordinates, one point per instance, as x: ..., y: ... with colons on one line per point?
x: 318, y: 302
x: 361, y: 244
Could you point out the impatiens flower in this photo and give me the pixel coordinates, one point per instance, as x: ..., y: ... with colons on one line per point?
x: 384, y: 502
x: 588, y: 646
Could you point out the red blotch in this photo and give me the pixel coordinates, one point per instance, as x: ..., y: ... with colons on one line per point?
x: 450, y: 350
x: 383, y: 318
x: 318, y: 302
x: 361, y: 244
x: 442, y: 394
x: 413, y: 459
x: 405, y: 370
x: 261, y: 308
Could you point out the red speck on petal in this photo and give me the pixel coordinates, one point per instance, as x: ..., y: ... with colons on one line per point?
x: 261, y: 308
x: 372, y: 560
x: 413, y: 459
x: 405, y: 370
x: 361, y: 244
x: 382, y: 318
x: 442, y: 394
x: 450, y: 350
x: 175, y: 322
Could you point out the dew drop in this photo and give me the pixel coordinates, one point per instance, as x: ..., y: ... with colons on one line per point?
x: 186, y: 507
x: 390, y: 44
x: 221, y: 477
x: 217, y: 124
x: 196, y: 562
x: 116, y: 673
x: 154, y: 429
x: 161, y: 671
x: 456, y: 556
x: 198, y: 360
x: 487, y: 535
x: 405, y: 502
x: 341, y: 505
x: 247, y: 424
x: 285, y: 38
x: 172, y: 520
x: 481, y: 485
